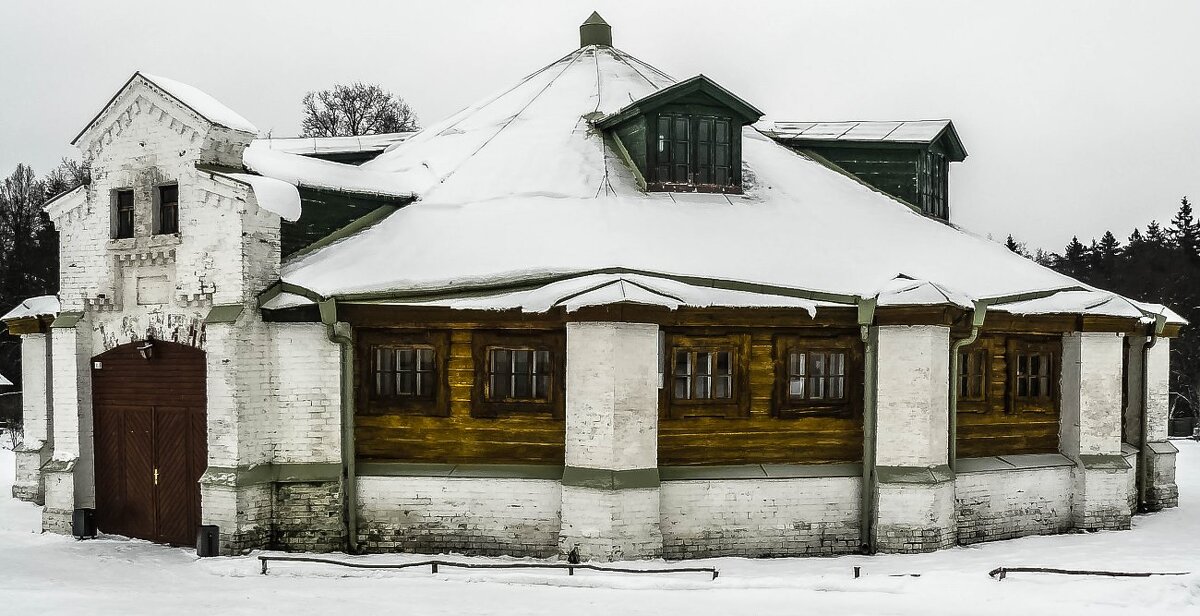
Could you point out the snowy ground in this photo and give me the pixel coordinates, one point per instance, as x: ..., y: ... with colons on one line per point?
x: 50, y: 574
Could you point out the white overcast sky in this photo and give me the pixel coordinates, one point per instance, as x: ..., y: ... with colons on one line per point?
x: 1078, y: 116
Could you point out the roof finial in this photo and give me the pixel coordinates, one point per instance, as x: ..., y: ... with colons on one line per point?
x: 595, y: 31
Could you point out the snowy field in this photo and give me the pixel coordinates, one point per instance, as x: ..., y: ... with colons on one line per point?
x: 49, y: 574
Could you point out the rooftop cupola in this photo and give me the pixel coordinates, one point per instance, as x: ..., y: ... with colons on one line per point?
x: 595, y: 31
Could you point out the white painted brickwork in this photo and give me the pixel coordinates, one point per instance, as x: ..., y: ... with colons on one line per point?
x: 477, y: 516
x: 913, y: 395
x: 1006, y: 504
x: 1091, y: 393
x: 915, y: 517
x: 306, y: 377
x: 757, y: 518
x: 612, y: 395
x: 34, y: 395
x: 611, y: 524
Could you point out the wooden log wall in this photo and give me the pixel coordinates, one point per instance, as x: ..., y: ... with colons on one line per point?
x: 992, y: 427
x: 761, y: 438
x: 461, y: 438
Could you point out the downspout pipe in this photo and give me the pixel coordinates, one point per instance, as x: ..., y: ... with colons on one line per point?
x: 866, y: 317
x: 341, y: 333
x: 978, y: 314
x: 1154, y: 330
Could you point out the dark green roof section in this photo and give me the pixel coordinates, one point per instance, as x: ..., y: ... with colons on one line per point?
x: 224, y: 313
x: 688, y: 87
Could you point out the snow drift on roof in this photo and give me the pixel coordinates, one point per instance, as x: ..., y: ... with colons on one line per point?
x: 320, y: 174
x: 40, y: 306
x: 5, y: 382
x: 331, y: 145
x: 208, y: 107
x: 275, y: 196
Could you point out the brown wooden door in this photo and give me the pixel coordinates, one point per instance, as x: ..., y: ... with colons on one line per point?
x: 150, y: 441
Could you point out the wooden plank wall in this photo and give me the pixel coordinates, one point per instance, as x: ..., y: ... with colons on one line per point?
x: 894, y: 171
x: 761, y: 438
x: 460, y: 438
x: 989, y: 429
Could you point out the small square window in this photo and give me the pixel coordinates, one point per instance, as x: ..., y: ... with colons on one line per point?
x: 168, y: 209
x: 402, y: 372
x: 706, y: 376
x: 817, y: 376
x: 123, y: 210
x: 518, y: 373
x: 1032, y: 375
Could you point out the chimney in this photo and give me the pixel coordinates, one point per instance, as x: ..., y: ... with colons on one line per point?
x: 595, y: 31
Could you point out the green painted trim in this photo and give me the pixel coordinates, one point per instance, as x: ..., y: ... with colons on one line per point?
x: 699, y: 83
x: 927, y: 475
x: 603, y: 479
x: 271, y: 473
x: 66, y: 320
x: 619, y: 146
x: 460, y: 471
x: 1104, y: 462
x: 361, y: 223
x: 224, y: 313
x: 759, y: 471
x: 1162, y: 448
x: 1016, y: 462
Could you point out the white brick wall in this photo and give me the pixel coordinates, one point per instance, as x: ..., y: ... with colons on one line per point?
x: 443, y: 514
x: 34, y: 397
x: 306, y: 378
x: 913, y: 395
x: 754, y: 518
x: 1091, y: 393
x: 612, y: 395
x: 1005, y: 504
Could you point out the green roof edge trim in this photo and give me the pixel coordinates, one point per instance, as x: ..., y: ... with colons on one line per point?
x: 224, y: 313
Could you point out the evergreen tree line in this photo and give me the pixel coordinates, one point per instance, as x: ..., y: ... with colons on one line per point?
x: 29, y: 244
x: 1160, y: 265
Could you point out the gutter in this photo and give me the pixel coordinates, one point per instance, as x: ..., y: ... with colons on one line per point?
x: 341, y: 333
x: 1154, y: 330
x: 978, y: 314
x: 866, y: 316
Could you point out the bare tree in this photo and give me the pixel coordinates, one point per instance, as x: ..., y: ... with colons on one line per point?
x: 355, y: 109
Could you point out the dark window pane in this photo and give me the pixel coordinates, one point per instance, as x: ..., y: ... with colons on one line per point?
x: 522, y: 385
x: 796, y: 363
x: 683, y: 388
x: 723, y: 131
x: 837, y: 386
x: 724, y: 362
x: 406, y: 383
x: 683, y: 364
x: 703, y: 363
x: 723, y: 387
x: 703, y: 387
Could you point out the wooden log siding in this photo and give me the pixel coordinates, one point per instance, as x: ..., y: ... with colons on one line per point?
x: 762, y: 437
x: 460, y: 438
x: 995, y: 426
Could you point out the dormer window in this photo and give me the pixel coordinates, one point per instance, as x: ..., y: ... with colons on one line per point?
x: 685, y: 138
x: 693, y: 151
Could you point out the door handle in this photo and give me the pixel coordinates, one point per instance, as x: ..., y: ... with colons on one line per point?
x: 156, y: 476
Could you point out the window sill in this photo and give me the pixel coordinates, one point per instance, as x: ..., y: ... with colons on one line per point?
x: 759, y: 471
x: 1018, y: 462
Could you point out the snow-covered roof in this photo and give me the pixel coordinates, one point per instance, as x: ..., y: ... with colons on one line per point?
x: 40, y: 306
x: 191, y: 97
x: 908, y: 131
x: 313, y: 146
x: 521, y: 190
x: 5, y: 382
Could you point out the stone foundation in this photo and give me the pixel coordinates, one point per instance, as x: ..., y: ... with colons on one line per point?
x: 1009, y: 497
x: 760, y: 518
x: 479, y: 516
x: 915, y: 510
x: 611, y: 524
x: 308, y: 517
